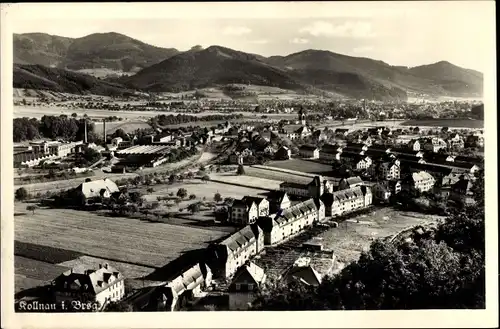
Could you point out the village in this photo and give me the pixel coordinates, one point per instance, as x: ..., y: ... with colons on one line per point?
x: 204, y: 218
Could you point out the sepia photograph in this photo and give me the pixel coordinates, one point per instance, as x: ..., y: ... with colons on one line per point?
x: 227, y: 158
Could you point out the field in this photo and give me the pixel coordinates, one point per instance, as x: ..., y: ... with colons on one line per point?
x: 306, y: 166
x: 451, y: 123
x: 30, y: 273
x: 113, y: 238
x: 250, y: 181
x: 352, y: 237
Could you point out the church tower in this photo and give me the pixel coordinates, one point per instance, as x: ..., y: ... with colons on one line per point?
x: 302, y: 117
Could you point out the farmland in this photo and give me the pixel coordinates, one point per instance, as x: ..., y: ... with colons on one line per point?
x: 127, y: 126
x: 113, y: 238
x: 257, y: 182
x: 31, y: 273
x: 306, y: 166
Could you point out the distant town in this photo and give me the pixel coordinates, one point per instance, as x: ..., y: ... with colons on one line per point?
x: 183, y: 211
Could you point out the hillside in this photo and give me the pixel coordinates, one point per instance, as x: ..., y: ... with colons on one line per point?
x: 212, y: 66
x: 435, y: 79
x: 112, y: 51
x: 44, y: 78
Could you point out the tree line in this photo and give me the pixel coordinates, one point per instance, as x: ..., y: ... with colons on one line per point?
x: 163, y: 120
x: 52, y: 127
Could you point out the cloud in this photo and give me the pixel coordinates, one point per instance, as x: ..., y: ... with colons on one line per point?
x: 236, y: 30
x: 299, y: 41
x: 363, y: 49
x: 347, y: 29
x: 260, y: 41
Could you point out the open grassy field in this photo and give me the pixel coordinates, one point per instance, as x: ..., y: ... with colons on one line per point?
x: 113, y: 238
x: 306, y: 166
x: 128, y: 126
x: 351, y: 238
x: 257, y: 182
x: 31, y: 273
x: 451, y: 123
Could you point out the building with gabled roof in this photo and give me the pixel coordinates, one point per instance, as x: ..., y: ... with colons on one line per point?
x: 347, y: 200
x: 247, y: 281
x: 350, y: 182
x: 309, y: 151
x: 227, y: 256
x: 103, y: 285
x: 181, y: 289
x: 290, y: 221
x: 303, y: 271
x: 278, y: 200
x: 330, y: 152
x: 98, y: 188
x: 420, y: 181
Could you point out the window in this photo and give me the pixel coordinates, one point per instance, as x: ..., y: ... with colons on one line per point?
x: 238, y: 286
x: 250, y: 286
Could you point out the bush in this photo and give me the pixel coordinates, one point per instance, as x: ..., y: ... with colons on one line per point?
x: 217, y: 197
x: 182, y: 193
x: 192, y: 197
x: 21, y: 194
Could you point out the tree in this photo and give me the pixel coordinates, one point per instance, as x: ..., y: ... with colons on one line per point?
x: 74, y: 115
x: 135, y: 197
x: 172, y: 179
x: 192, y: 197
x: 150, y: 190
x: 31, y: 208
x: 21, y: 194
x: 182, y: 193
x: 240, y: 171
x: 194, y: 207
x: 217, y: 197
x: 205, y: 178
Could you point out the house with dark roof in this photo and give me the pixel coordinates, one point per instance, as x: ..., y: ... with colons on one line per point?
x: 330, y: 152
x: 461, y: 191
x: 227, y: 256
x: 350, y: 182
x: 303, y: 271
x: 314, y: 189
x: 283, y: 153
x: 248, y: 209
x: 103, y: 285
x: 309, y: 151
x: 182, y: 289
x: 278, y: 200
x: 244, y: 286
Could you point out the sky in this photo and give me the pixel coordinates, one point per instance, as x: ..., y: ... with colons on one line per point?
x: 398, y: 33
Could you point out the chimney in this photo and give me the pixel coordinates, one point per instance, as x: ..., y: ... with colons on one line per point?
x: 106, y: 265
x: 85, y: 137
x: 100, y: 266
x: 104, y: 127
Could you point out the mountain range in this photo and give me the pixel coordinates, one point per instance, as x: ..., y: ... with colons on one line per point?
x: 154, y: 69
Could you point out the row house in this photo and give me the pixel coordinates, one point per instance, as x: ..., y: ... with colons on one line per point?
x: 309, y: 151
x: 291, y: 221
x: 226, y: 257
x: 330, y: 152
x: 182, y: 290
x: 248, y: 209
x: 419, y: 181
x: 346, y: 201
x: 103, y: 285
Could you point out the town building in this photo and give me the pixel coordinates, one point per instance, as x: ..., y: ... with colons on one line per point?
x: 291, y: 221
x: 226, y: 257
x: 461, y: 191
x: 303, y: 132
x: 330, y: 152
x: 278, y: 200
x: 283, y: 153
x: 455, y: 142
x: 347, y: 200
x: 419, y: 181
x: 350, y: 182
x: 245, y: 285
x: 243, y: 212
x: 184, y: 288
x: 303, y: 271
x: 434, y: 144
x: 309, y: 151
x: 390, y: 170
x: 103, y: 285
x: 101, y: 188
x: 414, y: 145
